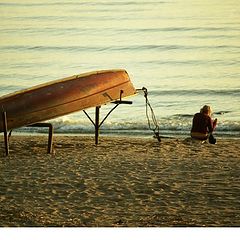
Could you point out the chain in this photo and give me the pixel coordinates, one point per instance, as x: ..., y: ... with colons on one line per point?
x: 154, y: 125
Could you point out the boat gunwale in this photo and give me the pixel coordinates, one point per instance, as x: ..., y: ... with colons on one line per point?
x: 6, y: 97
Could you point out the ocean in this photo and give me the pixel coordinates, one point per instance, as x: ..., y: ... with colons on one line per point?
x: 186, y: 53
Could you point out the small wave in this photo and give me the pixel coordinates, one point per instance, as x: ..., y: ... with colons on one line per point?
x: 190, y: 92
x: 7, y: 88
x: 221, y: 112
x: 119, y: 48
x: 174, y: 125
x: 92, y: 48
x: 183, y: 116
x: 188, y: 29
x: 80, y: 3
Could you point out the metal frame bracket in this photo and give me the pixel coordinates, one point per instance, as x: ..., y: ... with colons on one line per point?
x: 97, y: 124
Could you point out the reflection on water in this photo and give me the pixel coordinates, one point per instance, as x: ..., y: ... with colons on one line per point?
x: 185, y: 52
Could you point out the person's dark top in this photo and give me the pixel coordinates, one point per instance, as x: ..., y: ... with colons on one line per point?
x: 202, y: 123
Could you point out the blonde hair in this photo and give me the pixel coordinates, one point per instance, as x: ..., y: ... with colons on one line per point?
x: 206, y: 110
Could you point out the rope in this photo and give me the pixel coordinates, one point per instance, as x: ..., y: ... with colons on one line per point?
x: 155, y: 128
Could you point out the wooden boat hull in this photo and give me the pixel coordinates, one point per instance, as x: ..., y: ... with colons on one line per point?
x: 64, y: 96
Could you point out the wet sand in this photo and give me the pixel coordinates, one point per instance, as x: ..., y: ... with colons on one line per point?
x: 121, y: 182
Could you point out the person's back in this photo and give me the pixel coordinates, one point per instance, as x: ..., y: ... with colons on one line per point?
x: 202, y: 124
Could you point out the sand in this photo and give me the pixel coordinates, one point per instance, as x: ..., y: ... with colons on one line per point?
x: 130, y: 182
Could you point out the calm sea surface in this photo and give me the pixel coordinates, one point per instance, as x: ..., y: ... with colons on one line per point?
x: 185, y: 52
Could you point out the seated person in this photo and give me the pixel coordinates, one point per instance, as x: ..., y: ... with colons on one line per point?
x: 203, y: 125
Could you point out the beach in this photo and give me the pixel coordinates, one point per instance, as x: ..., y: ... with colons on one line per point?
x: 122, y: 182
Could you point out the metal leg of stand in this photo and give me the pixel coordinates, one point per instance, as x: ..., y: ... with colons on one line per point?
x: 97, y: 124
x: 50, y: 133
x: 50, y: 138
x: 4, y: 116
x: 97, y: 113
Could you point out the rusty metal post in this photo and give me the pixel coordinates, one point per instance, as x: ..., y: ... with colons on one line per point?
x: 97, y: 124
x: 4, y: 116
x: 50, y: 133
x: 50, y: 138
x: 97, y: 113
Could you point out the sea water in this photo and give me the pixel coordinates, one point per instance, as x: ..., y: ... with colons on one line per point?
x: 185, y: 52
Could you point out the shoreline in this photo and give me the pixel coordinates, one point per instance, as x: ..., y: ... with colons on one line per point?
x: 122, y: 134
x: 124, y: 181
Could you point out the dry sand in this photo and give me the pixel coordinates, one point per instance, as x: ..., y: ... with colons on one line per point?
x: 121, y: 182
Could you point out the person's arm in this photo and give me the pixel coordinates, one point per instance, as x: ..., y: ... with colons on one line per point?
x: 212, y: 125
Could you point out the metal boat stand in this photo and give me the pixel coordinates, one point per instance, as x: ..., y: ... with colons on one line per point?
x: 97, y: 124
x: 5, y: 129
x: 7, y: 137
x: 50, y: 133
